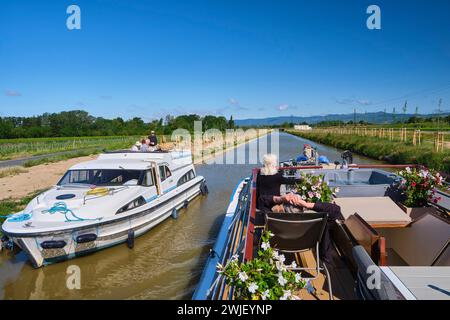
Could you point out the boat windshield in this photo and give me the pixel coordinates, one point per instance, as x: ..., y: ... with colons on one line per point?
x: 102, y: 177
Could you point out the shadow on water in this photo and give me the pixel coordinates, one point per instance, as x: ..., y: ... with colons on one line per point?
x: 166, y: 262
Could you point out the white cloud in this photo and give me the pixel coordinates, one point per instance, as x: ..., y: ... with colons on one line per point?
x: 351, y: 101
x: 364, y: 102
x: 12, y: 93
x: 233, y: 102
x: 283, y: 107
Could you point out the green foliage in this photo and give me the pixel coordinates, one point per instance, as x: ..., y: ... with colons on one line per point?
x: 417, y: 186
x: 36, y: 146
x: 78, y: 123
x: 313, y: 188
x: 263, y: 278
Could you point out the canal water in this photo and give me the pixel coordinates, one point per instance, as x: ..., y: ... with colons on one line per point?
x: 166, y: 262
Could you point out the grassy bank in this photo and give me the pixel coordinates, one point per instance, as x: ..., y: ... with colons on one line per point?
x: 9, y: 206
x: 18, y: 148
x: 394, y: 152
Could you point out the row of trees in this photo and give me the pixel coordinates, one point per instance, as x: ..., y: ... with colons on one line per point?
x: 79, y: 123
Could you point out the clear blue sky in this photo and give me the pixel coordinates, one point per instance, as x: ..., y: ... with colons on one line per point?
x: 247, y: 58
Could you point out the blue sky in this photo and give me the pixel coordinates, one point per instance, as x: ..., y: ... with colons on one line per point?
x: 251, y: 59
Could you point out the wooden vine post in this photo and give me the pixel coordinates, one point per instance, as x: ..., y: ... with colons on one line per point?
x: 403, y: 134
x: 439, y: 141
x: 416, y: 137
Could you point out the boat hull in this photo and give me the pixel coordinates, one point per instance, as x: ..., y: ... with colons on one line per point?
x: 50, y: 247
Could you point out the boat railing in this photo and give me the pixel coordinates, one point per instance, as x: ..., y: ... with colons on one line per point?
x: 234, y: 244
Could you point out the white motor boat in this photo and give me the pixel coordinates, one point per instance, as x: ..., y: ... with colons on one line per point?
x: 104, y: 202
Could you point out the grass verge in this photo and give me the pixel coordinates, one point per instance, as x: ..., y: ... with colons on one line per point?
x: 9, y: 172
x: 394, y: 152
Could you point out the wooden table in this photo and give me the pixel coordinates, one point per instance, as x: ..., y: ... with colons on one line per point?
x: 379, y: 212
x: 420, y: 283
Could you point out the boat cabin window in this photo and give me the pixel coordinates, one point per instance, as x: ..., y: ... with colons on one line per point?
x: 103, y: 177
x: 186, y: 177
x: 164, y: 172
x: 148, y: 180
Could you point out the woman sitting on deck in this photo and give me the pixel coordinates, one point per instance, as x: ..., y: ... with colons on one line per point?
x: 293, y: 203
x: 269, y: 179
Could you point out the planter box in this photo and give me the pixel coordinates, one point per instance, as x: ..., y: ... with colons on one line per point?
x: 416, y: 212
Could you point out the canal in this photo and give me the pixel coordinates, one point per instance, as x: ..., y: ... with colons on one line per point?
x: 166, y: 262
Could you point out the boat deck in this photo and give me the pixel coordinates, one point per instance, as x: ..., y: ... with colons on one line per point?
x: 342, y: 279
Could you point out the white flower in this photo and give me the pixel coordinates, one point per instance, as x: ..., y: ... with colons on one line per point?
x: 303, y: 197
x: 281, y: 258
x: 286, y: 295
x: 252, y: 287
x: 280, y: 266
x: 275, y: 254
x: 265, y: 295
x: 310, y: 194
x: 265, y: 246
x: 271, y: 234
x: 318, y: 195
x: 281, y: 280
x: 303, y: 188
x: 234, y: 257
x: 298, y: 278
x: 293, y: 265
x: 243, y: 276
x: 408, y: 169
x: 313, y: 188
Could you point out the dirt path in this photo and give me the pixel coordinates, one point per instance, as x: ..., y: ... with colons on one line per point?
x: 39, y: 177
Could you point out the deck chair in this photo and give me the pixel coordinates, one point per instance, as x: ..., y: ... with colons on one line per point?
x: 298, y: 232
x: 366, y: 269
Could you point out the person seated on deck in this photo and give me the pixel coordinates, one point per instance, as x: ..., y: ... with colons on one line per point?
x: 308, y: 151
x: 136, y: 146
x: 145, y: 145
x: 269, y: 179
x: 293, y: 203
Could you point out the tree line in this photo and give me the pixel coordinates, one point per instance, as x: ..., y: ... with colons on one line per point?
x: 78, y: 123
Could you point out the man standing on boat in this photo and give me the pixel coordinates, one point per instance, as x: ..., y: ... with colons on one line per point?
x: 153, y: 139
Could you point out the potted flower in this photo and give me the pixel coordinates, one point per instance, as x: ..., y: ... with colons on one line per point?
x: 314, y: 188
x: 263, y: 278
x: 417, y: 190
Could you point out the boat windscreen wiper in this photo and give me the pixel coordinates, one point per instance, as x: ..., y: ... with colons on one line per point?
x: 76, y: 185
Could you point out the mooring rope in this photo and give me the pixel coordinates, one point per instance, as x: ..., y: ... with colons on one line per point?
x: 61, y: 207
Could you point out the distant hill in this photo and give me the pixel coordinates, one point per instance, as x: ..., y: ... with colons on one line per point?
x: 373, y: 117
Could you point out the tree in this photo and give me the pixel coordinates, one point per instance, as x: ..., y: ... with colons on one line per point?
x: 231, y: 123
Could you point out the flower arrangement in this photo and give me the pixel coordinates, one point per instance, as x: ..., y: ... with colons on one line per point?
x: 263, y: 278
x: 417, y: 186
x: 314, y: 188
